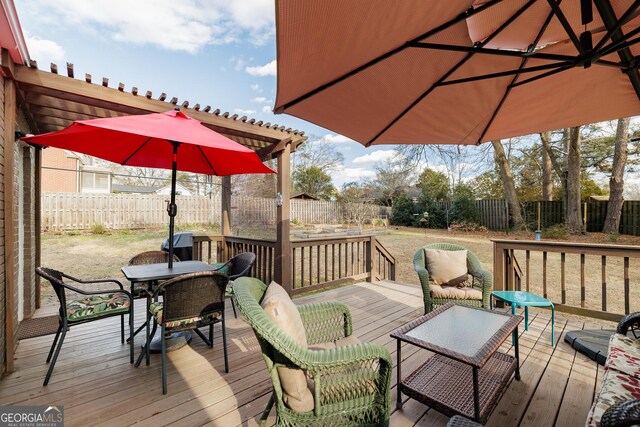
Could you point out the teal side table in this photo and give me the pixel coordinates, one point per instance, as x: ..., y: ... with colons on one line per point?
x: 526, y: 300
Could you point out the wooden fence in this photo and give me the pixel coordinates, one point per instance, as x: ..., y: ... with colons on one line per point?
x: 77, y: 211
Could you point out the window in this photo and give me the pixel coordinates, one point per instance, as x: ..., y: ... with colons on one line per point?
x: 95, y: 181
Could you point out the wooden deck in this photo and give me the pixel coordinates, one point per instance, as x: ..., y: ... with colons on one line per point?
x: 95, y: 383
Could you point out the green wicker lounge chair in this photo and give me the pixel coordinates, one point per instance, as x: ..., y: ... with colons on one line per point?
x: 482, y: 279
x: 350, y: 384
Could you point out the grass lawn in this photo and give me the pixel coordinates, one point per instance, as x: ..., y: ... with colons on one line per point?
x: 91, y: 256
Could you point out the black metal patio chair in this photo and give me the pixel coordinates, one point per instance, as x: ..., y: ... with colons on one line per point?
x: 82, y: 306
x: 238, y: 266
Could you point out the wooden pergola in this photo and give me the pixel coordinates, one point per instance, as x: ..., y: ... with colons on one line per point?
x: 51, y: 101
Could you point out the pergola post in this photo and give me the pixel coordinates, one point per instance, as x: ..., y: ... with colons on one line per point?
x: 225, y: 222
x: 283, y: 214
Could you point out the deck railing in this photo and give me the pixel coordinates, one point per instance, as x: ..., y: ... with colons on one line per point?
x: 315, y: 263
x: 593, y: 280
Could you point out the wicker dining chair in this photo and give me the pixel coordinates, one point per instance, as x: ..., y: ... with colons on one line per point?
x: 140, y: 290
x: 482, y: 279
x: 350, y: 383
x: 82, y: 306
x: 189, y: 302
x: 238, y: 266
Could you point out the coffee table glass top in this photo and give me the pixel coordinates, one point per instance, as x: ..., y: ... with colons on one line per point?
x: 460, y: 329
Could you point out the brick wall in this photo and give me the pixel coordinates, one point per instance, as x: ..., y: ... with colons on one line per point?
x: 62, y: 178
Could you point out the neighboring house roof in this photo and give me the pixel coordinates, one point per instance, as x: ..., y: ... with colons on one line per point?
x: 180, y: 190
x: 303, y: 196
x: 600, y: 198
x: 141, y: 189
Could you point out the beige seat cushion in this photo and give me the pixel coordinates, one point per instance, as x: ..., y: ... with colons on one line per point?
x: 338, y: 343
x: 444, y: 266
x: 453, y: 292
x: 283, y: 312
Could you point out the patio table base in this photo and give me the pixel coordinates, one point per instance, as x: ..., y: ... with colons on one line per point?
x: 177, y: 341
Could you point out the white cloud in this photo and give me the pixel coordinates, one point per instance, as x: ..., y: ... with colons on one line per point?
x: 44, y: 51
x: 245, y: 112
x: 344, y: 175
x: 187, y: 25
x: 263, y: 70
x: 262, y: 100
x: 376, y: 157
x: 337, y: 139
x: 256, y: 88
x: 266, y: 109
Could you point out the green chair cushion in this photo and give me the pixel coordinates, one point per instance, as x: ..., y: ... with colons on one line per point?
x: 94, y: 306
x: 222, y: 267
x: 156, y: 309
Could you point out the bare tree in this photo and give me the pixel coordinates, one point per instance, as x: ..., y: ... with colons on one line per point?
x: 321, y: 153
x: 460, y: 161
x: 547, y: 167
x: 390, y: 180
x: 616, y: 181
x: 507, y: 181
x: 573, y: 216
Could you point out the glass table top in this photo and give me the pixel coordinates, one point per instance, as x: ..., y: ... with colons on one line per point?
x: 462, y: 329
x: 521, y: 297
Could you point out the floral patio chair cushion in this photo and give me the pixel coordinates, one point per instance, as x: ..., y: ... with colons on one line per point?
x: 97, y: 306
x: 621, y: 379
x: 156, y: 310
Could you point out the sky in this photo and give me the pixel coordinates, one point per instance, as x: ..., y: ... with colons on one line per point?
x: 212, y: 52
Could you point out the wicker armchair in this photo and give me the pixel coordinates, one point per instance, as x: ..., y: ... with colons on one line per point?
x: 84, y: 306
x: 482, y: 279
x: 190, y: 301
x: 351, y: 383
x: 238, y: 266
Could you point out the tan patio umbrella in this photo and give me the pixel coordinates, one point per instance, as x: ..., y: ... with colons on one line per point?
x: 456, y: 72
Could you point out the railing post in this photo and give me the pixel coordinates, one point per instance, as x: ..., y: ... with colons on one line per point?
x: 371, y: 268
x: 498, y: 267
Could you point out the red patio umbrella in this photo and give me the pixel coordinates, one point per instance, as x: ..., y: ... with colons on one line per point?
x: 456, y: 72
x: 169, y: 140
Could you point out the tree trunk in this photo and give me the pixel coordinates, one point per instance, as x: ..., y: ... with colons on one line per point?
x: 574, y: 218
x: 508, y: 184
x: 616, y: 182
x: 547, y: 167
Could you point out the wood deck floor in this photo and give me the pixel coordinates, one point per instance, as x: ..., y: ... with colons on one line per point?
x: 95, y: 383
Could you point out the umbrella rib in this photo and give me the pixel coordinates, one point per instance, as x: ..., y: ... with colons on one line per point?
x: 620, y: 43
x: 565, y: 24
x: 465, y: 15
x: 544, y: 27
x: 508, y: 73
x: 623, y: 20
x: 543, y: 75
x: 498, y: 52
x: 135, y: 151
x: 460, y: 63
x: 610, y: 21
x: 207, y: 160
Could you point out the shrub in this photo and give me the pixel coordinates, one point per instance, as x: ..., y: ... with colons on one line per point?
x: 402, y: 210
x: 557, y: 231
x: 613, y: 237
x: 97, y: 228
x: 467, y: 226
x: 464, y: 205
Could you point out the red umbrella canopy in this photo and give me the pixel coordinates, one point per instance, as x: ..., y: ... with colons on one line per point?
x: 456, y: 72
x: 147, y: 141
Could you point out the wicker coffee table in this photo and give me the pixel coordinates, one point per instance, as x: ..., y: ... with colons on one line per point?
x: 466, y: 376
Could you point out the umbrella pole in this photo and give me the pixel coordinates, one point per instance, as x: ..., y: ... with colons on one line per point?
x: 172, y: 209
